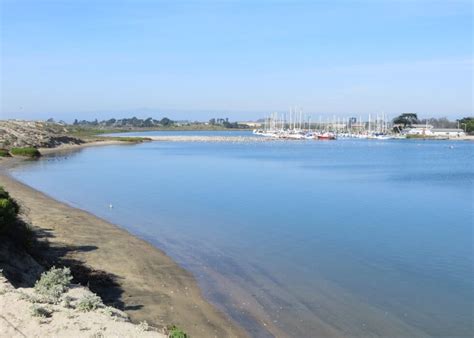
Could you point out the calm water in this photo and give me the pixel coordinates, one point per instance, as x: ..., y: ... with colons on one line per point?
x: 359, y: 237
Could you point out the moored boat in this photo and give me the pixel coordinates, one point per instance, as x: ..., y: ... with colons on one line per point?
x: 326, y: 136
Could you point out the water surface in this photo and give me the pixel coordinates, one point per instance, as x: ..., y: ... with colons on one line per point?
x: 362, y: 237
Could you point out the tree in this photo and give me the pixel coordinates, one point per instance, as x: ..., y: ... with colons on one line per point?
x: 110, y: 122
x: 231, y: 125
x: 467, y: 124
x: 148, y: 122
x: 166, y: 122
x: 407, y: 119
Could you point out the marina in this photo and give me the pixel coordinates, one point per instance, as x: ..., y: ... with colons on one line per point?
x: 300, y: 126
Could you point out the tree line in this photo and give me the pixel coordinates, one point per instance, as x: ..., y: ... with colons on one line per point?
x: 126, y: 122
x: 225, y: 123
x: 150, y: 122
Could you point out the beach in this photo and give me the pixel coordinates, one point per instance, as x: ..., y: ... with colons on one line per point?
x: 141, y: 279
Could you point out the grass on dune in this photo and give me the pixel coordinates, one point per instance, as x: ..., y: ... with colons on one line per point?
x: 26, y: 151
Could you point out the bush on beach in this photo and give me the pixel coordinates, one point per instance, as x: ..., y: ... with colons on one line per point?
x: 40, y: 311
x: 89, y: 303
x: 11, y: 226
x: 53, y: 284
x: 9, y: 210
x: 4, y: 153
x: 175, y: 332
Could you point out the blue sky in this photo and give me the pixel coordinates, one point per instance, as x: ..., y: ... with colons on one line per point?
x: 241, y: 59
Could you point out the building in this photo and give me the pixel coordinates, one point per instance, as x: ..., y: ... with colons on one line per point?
x: 448, y: 132
x: 352, y: 121
x: 428, y: 130
x: 251, y: 124
x: 418, y: 129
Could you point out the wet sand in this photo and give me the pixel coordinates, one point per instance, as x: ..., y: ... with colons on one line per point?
x: 150, y: 285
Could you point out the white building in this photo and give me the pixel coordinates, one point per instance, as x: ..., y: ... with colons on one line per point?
x: 419, y: 129
x: 434, y: 132
x: 448, y: 132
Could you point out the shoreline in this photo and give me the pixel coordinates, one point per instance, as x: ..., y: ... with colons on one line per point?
x: 70, y: 147
x: 149, y: 284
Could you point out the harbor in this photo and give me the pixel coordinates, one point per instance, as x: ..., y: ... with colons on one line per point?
x: 298, y: 126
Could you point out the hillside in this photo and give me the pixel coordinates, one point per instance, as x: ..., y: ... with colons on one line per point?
x: 34, y: 134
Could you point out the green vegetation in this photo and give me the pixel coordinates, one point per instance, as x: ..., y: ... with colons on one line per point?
x: 467, y: 124
x: 9, y: 210
x: 132, y: 122
x: 27, y: 152
x: 226, y: 124
x: 130, y: 139
x: 11, y: 227
x: 53, y: 284
x: 406, y: 119
x: 40, y: 311
x: 4, y: 153
x: 92, y: 128
x: 91, y: 132
x: 89, y: 303
x: 175, y: 332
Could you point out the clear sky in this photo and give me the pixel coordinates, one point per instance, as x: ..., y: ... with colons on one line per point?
x: 241, y: 59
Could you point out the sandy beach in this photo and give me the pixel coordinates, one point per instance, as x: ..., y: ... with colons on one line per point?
x: 140, y: 279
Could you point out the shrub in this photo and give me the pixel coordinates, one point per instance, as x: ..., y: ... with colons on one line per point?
x: 11, y: 226
x: 9, y: 210
x: 4, y: 153
x: 39, y: 311
x: 5, y: 195
x: 175, y: 332
x: 53, y: 283
x: 89, y: 303
x: 27, y: 152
